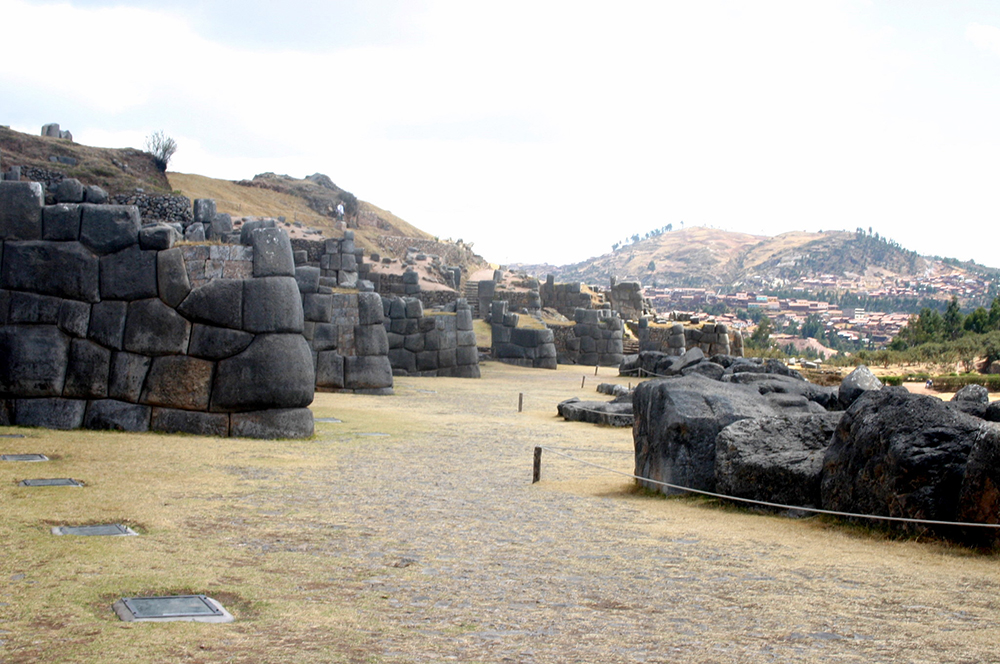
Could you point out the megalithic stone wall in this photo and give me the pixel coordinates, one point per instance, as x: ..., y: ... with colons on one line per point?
x: 676, y: 339
x: 105, y: 325
x: 440, y: 343
x: 595, y: 339
x: 526, y: 347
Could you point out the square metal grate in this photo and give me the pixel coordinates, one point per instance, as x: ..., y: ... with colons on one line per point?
x: 106, y: 530
x: 198, y: 608
x: 24, y: 457
x: 57, y: 481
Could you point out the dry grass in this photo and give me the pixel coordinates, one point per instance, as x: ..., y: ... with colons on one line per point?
x: 430, y: 544
x: 239, y: 201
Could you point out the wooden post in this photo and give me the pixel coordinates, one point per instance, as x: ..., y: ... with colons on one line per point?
x: 583, y: 381
x: 595, y: 369
x: 520, y: 401
x: 537, y: 474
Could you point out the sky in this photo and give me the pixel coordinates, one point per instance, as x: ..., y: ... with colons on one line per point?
x: 548, y: 131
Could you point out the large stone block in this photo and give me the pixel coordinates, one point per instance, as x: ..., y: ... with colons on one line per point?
x: 106, y: 229
x: 172, y: 280
x: 179, y: 381
x: 466, y: 355
x: 107, y: 323
x: 74, y: 317
x: 275, y: 423
x: 129, y: 274
x: 272, y: 253
x: 367, y: 372
x: 87, y: 371
x: 61, y: 222
x: 317, y: 307
x: 248, y: 227
x: 117, y: 416
x: 33, y: 360
x: 33, y: 308
x: 171, y: 420
x: 329, y: 369
x: 204, y: 210
x: 402, y: 359
x: 158, y: 237
x: 307, y: 278
x: 128, y: 374
x: 272, y: 304
x: 325, y: 336
x: 70, y: 190
x: 369, y: 308
x: 153, y: 328
x: 217, y: 343
x: 63, y: 269
x: 52, y: 413
x: 370, y: 340
x: 219, y: 302
x: 275, y: 371
x: 21, y: 210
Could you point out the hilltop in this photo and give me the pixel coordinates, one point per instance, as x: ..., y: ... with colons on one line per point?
x: 828, y: 262
x: 307, y: 204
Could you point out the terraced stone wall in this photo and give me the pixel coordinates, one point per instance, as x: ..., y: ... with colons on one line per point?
x: 104, y: 324
x: 437, y: 343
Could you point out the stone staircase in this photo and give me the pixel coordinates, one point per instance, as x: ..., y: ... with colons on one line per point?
x: 470, y: 291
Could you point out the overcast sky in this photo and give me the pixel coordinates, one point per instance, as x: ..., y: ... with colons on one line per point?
x: 547, y: 131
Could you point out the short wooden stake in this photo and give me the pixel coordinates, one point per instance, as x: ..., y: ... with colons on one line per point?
x: 583, y: 381
x: 537, y: 474
x: 595, y: 369
x: 520, y: 401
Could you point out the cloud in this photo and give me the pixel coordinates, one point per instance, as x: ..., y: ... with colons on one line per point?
x: 985, y: 37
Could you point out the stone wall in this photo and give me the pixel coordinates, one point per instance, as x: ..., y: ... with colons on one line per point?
x: 158, y: 208
x: 103, y: 326
x: 439, y: 343
x: 595, y: 339
x: 676, y: 339
x: 564, y: 298
x: 526, y: 347
x: 626, y: 298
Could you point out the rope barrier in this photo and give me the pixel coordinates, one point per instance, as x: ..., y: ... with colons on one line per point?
x: 813, y: 510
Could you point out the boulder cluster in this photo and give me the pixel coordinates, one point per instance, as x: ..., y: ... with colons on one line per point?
x: 758, y: 430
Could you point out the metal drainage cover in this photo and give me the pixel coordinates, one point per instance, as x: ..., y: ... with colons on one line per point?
x: 330, y: 420
x: 196, y: 608
x: 24, y: 457
x: 361, y: 433
x: 108, y: 529
x: 60, y: 481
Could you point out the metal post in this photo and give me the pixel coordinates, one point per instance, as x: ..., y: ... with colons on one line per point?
x: 538, y: 465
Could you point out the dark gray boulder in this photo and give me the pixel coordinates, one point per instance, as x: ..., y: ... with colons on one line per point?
x: 61, y: 222
x: 106, y: 229
x: 325, y: 336
x: 153, y: 328
x: 974, y: 394
x: 856, y: 383
x: 128, y: 374
x: 317, y: 307
x: 87, y: 371
x: 707, y: 369
x: 249, y: 227
x: 194, y: 233
x: 107, y: 323
x: 274, y: 423
x: 898, y: 454
x: 179, y: 381
x: 95, y: 194
x: 615, y: 414
x: 69, y: 190
x: 766, y: 383
x: 992, y: 412
x: 275, y: 371
x: 307, y: 277
x: 774, y: 459
x: 171, y: 420
x: 33, y: 360
x: 129, y: 274
x: 272, y: 253
x: 272, y: 304
x: 217, y: 343
x: 116, y: 416
x: 172, y: 281
x: 204, y: 210
x: 21, y: 210
x: 49, y: 413
x: 676, y: 422
x: 369, y: 309
x: 979, y: 496
x: 219, y: 302
x: 62, y: 269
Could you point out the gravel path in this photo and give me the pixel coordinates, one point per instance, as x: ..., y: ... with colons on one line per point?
x: 463, y: 559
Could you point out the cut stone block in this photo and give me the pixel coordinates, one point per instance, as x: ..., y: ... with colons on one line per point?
x: 129, y: 274
x: 62, y: 269
x: 276, y: 423
x: 219, y: 302
x: 49, y: 413
x: 153, y: 328
x: 33, y: 360
x: 116, y: 415
x: 275, y: 371
x: 21, y: 210
x: 106, y: 229
x: 179, y: 381
x: 170, y: 420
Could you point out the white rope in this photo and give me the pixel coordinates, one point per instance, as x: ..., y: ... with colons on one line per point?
x: 777, y: 505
